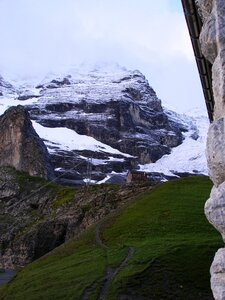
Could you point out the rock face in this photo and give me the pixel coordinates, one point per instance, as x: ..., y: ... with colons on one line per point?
x: 112, y: 105
x: 218, y: 274
x: 216, y: 151
x: 20, y: 146
x: 36, y: 217
x: 215, y: 209
x: 117, y: 108
x: 213, y: 47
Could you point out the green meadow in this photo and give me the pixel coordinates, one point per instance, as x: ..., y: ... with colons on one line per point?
x: 172, y: 247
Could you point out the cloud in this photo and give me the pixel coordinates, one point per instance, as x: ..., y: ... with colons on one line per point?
x: 42, y: 35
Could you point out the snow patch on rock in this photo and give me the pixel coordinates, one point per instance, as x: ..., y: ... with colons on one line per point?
x: 67, y: 139
x: 189, y: 157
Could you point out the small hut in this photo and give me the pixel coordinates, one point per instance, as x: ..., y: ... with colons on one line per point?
x: 136, y: 176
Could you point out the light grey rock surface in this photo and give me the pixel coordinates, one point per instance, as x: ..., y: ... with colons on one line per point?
x: 218, y: 75
x: 215, y: 208
x: 212, y: 41
x: 205, y: 8
x: 208, y: 38
x: 215, y: 151
x: 217, y: 272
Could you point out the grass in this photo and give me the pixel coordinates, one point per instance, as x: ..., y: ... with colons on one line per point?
x: 25, y: 180
x: 32, y: 184
x: 173, y: 243
x: 63, y: 196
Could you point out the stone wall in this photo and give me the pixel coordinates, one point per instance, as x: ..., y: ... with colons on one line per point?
x: 212, y: 41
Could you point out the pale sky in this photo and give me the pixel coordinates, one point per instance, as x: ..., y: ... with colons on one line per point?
x: 41, y: 36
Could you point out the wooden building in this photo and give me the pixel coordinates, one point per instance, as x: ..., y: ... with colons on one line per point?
x: 136, y: 176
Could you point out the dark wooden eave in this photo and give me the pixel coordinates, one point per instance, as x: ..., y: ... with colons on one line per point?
x: 194, y: 24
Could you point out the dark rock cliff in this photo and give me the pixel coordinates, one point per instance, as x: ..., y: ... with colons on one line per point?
x: 119, y: 109
x: 20, y: 146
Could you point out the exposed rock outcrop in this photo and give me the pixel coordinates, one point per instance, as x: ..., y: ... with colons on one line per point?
x: 213, y: 47
x: 216, y: 151
x: 217, y: 271
x: 117, y: 108
x: 205, y: 8
x: 215, y: 208
x: 20, y: 146
x: 36, y: 217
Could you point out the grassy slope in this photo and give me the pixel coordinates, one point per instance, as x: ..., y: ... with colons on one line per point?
x: 173, y: 242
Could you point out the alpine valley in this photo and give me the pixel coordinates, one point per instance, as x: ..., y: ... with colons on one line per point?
x: 71, y: 227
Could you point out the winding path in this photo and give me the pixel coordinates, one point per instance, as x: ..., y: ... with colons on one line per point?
x: 110, y: 273
x: 98, y: 237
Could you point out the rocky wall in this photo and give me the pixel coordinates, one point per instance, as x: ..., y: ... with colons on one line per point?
x: 20, y: 146
x: 212, y: 39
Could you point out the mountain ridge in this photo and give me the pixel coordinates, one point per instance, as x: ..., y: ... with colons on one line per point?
x: 118, y: 109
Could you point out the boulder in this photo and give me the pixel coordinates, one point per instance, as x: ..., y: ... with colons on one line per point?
x: 215, y: 208
x: 217, y: 272
x: 215, y: 151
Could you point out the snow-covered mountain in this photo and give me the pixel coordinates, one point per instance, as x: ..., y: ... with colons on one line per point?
x: 98, y: 122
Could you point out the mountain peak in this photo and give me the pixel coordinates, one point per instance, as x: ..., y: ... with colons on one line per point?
x: 105, y: 116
